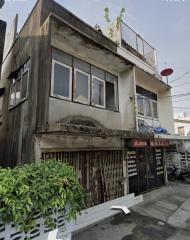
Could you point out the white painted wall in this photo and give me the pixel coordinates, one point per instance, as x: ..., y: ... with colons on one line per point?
x: 137, y: 61
x: 182, y: 124
x: 166, y: 111
x: 127, y: 100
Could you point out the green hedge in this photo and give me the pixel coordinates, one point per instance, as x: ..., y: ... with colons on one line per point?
x: 38, y: 188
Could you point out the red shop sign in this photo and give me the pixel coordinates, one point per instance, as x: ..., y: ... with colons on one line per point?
x: 139, y: 143
x: 159, y: 143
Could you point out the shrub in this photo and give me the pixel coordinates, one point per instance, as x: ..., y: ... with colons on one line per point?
x: 39, y: 188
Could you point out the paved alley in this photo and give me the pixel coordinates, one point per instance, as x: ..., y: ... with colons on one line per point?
x: 164, y: 215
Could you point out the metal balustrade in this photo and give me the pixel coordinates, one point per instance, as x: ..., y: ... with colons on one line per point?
x: 137, y: 45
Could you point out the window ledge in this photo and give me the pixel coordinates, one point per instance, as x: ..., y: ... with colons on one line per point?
x: 19, y: 103
x: 150, y: 118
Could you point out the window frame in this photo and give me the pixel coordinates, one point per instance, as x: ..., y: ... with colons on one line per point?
x: 11, y: 87
x: 94, y: 104
x: 153, y: 110
x: 28, y: 74
x: 144, y: 107
x: 74, y: 86
x: 142, y: 97
x: 72, y: 67
x: 15, y: 81
x: 150, y: 105
x: 52, y: 80
x: 116, y: 94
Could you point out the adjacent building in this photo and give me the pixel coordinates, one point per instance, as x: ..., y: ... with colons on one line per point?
x: 73, y: 94
x: 182, y: 124
x: 2, y: 42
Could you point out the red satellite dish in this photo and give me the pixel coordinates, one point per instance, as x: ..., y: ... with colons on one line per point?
x: 166, y: 72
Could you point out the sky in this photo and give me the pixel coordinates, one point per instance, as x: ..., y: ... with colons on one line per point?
x: 164, y: 24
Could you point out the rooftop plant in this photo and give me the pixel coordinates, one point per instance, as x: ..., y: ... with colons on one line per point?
x: 116, y: 23
x: 39, y: 188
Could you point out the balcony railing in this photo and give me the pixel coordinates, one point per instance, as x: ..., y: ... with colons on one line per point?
x: 137, y: 45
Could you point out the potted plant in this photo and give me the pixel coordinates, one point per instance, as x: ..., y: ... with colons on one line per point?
x: 37, y: 198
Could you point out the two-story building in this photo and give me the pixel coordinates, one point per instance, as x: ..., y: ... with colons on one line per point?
x: 73, y: 94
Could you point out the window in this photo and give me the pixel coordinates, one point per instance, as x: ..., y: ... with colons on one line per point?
x: 12, y: 95
x: 148, y: 112
x: 24, y: 88
x: 154, y: 109
x: 140, y: 104
x: 110, y: 96
x: 82, y: 87
x: 98, y: 92
x: 111, y: 92
x: 77, y: 80
x: 147, y: 107
x: 181, y: 131
x: 61, y: 80
x: 147, y: 103
x: 19, y: 86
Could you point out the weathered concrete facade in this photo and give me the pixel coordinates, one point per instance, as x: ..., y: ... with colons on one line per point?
x: 42, y: 124
x: 19, y: 122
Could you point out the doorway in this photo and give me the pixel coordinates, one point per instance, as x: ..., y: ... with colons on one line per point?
x: 145, y: 176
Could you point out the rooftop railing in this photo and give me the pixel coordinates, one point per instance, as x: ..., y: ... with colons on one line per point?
x: 137, y: 45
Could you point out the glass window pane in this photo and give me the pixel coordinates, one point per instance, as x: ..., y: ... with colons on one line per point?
x: 81, y: 87
x: 148, y: 108
x: 140, y: 105
x: 18, y: 82
x: 81, y: 65
x: 26, y: 65
x: 155, y: 109
x: 62, y: 57
x: 12, y: 95
x: 61, y: 80
x: 98, y: 92
x: 98, y: 72
x: 110, y: 96
x: 110, y: 77
x: 24, y: 85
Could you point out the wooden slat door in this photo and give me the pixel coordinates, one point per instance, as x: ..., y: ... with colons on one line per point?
x: 99, y: 172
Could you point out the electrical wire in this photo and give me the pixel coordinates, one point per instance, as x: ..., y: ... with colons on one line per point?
x: 177, y: 95
x: 184, y: 74
x: 181, y: 85
x: 182, y: 100
x: 182, y: 107
x: 166, y: 100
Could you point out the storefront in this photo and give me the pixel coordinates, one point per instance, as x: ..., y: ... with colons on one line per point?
x: 146, y: 169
